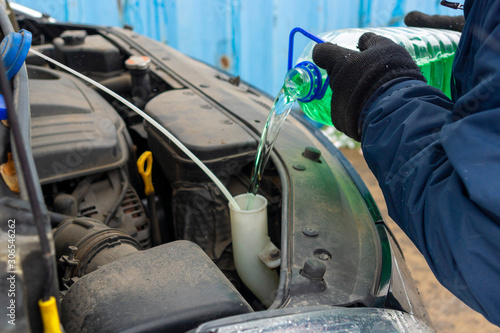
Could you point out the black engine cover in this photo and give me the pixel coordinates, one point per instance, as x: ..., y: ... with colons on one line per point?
x: 74, y: 131
x: 170, y: 288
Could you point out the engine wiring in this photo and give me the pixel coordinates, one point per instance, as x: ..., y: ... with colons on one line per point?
x: 118, y: 201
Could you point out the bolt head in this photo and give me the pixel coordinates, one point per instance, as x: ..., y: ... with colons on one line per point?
x: 323, y: 256
x: 299, y: 167
x: 275, y: 254
x: 310, y: 232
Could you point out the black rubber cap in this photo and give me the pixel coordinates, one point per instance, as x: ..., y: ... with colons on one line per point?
x: 312, y: 154
x: 313, y: 269
x: 74, y: 37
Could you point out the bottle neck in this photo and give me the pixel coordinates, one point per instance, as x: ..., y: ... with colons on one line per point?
x: 298, y: 83
x: 305, y: 82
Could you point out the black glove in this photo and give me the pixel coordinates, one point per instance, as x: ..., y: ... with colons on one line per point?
x: 355, y: 76
x: 421, y: 20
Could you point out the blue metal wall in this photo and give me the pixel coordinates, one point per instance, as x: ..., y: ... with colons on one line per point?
x: 244, y: 37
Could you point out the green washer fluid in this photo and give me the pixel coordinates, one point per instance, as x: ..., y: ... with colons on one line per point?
x: 432, y: 49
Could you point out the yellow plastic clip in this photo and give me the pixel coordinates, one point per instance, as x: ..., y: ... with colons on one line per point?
x: 50, y: 316
x: 146, y: 158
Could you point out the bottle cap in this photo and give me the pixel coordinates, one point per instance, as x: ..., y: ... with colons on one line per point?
x: 14, y: 50
x: 137, y: 62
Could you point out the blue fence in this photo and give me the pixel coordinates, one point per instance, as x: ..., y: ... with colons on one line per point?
x: 248, y: 38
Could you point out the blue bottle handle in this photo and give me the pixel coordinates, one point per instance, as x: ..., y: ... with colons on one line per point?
x: 318, y: 94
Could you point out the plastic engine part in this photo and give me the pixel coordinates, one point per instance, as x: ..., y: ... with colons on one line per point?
x: 200, y: 211
x: 170, y: 288
x: 87, y: 54
x: 223, y: 145
x: 130, y: 217
x: 96, y: 244
x: 75, y: 132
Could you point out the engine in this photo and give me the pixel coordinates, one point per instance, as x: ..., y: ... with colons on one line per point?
x: 85, y: 147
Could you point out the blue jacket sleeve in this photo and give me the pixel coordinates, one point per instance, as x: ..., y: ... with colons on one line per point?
x: 438, y: 165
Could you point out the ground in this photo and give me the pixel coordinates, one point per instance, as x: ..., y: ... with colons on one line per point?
x: 448, y: 313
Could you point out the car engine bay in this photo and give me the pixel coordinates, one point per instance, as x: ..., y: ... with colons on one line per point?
x: 85, y: 148
x: 132, y: 260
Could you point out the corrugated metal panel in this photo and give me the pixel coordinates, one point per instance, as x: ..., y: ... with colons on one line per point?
x: 243, y: 37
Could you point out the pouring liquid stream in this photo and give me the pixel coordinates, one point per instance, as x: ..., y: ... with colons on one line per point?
x: 296, y: 85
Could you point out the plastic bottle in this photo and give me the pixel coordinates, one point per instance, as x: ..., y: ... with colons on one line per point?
x: 432, y: 49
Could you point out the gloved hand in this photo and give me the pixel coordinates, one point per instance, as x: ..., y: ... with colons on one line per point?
x: 355, y: 76
x: 421, y: 20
